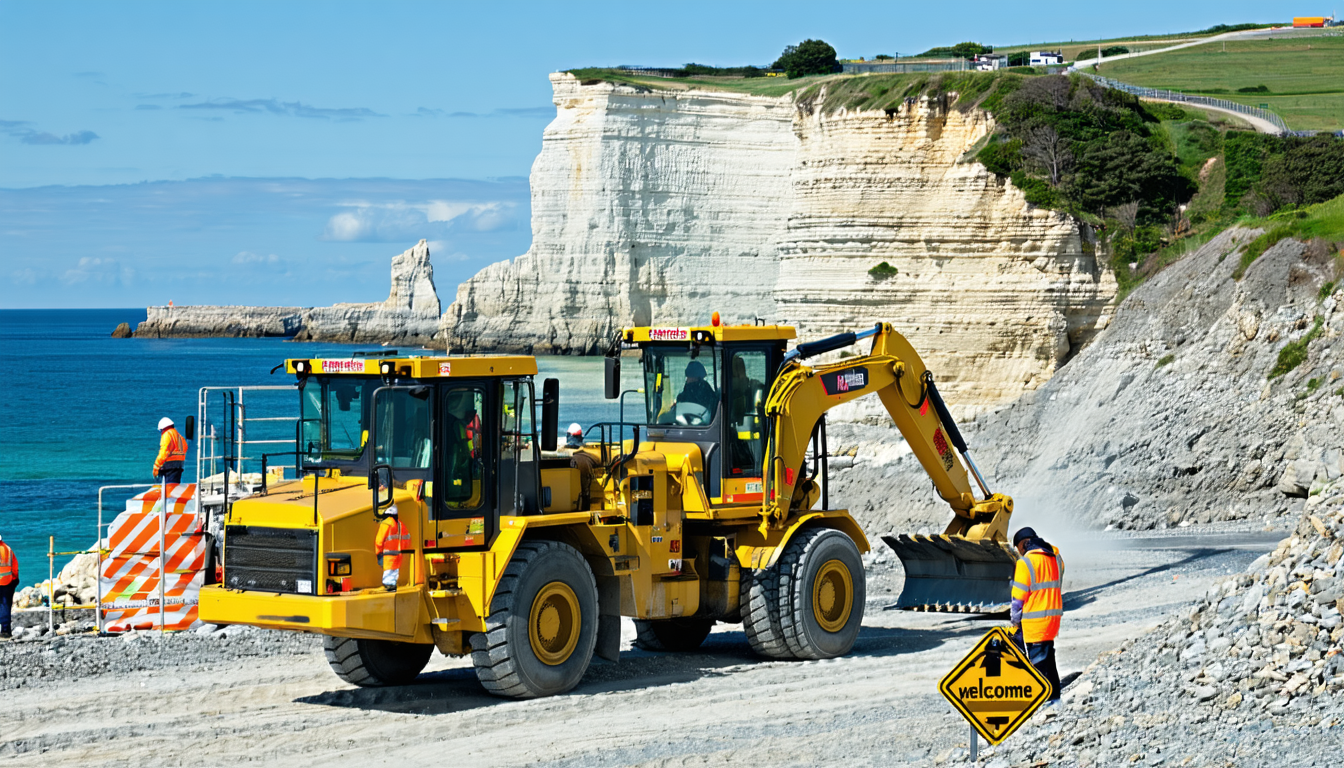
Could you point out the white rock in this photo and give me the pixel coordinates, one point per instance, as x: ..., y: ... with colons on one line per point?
x: 658, y: 207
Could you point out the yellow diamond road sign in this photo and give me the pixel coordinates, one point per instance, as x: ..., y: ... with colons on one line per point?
x: 995, y: 687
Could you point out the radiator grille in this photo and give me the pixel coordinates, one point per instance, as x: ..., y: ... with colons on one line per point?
x: 270, y: 559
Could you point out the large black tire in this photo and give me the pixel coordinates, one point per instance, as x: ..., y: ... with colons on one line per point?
x: 370, y: 663
x: 821, y: 594
x: 543, y: 624
x: 676, y: 635
x: 760, y: 613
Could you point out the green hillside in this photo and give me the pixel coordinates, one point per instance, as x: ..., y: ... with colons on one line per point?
x: 1304, y: 76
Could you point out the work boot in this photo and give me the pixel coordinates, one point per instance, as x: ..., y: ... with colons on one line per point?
x: 6, y: 634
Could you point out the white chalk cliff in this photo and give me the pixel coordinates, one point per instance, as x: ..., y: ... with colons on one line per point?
x: 410, y: 315
x: 659, y: 207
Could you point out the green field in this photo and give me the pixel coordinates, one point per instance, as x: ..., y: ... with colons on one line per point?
x: 1305, y: 76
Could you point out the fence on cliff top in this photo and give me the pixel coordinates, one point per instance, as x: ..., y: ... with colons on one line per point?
x: 1207, y: 101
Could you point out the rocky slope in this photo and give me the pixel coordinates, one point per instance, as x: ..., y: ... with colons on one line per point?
x: 1168, y: 419
x: 410, y: 315
x: 659, y: 207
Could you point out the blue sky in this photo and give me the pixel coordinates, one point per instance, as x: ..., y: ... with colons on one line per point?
x: 118, y: 120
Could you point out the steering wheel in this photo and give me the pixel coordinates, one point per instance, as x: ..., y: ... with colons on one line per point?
x: 691, y: 414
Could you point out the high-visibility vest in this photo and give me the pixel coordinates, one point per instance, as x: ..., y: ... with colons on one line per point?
x: 172, y: 447
x: 1038, y: 582
x: 9, y: 566
x: 392, y: 539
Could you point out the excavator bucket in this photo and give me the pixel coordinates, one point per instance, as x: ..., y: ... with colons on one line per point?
x: 951, y: 573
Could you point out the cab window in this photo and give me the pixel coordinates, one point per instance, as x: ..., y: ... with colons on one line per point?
x: 462, y: 466
x: 331, y: 414
x: 404, y: 428
x: 680, y: 385
x: 746, y: 412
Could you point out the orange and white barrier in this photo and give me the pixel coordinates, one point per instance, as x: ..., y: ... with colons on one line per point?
x: 130, y: 573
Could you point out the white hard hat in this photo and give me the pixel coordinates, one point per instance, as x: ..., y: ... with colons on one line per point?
x: 575, y: 429
x: 165, y: 423
x: 392, y: 510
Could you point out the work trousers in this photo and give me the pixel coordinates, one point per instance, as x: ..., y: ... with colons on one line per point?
x: 6, y: 602
x: 171, y: 472
x: 1042, y: 657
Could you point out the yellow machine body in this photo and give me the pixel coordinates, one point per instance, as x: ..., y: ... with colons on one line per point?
x: 667, y: 528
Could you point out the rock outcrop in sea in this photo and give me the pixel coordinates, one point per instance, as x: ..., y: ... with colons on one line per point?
x: 410, y: 315
x: 659, y: 207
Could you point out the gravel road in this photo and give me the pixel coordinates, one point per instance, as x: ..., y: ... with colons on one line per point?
x: 246, y: 695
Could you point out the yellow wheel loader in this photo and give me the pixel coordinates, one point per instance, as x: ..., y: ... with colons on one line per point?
x: 711, y: 506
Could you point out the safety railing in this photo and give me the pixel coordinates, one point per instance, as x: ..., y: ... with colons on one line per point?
x: 246, y: 426
x: 1187, y: 98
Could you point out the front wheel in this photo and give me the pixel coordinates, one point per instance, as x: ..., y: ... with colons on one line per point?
x: 369, y: 663
x: 821, y: 594
x: 543, y: 624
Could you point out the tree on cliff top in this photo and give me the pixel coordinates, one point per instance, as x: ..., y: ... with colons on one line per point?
x: 966, y: 50
x: 810, y: 57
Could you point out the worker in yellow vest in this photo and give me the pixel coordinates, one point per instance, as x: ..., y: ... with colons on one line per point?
x: 392, y: 540
x: 1038, y: 603
x: 172, y: 453
x: 9, y: 579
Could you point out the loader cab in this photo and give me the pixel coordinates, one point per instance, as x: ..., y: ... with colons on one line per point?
x: 462, y: 432
x: 708, y: 385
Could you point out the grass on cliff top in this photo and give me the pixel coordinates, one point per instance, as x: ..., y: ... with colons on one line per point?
x: 756, y: 86
x: 865, y: 91
x: 1303, y: 74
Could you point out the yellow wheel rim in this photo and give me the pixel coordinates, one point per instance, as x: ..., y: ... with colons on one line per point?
x: 553, y: 626
x: 832, y: 596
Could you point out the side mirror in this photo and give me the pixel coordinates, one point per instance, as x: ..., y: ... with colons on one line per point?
x: 189, y: 427
x: 550, y: 413
x: 376, y: 484
x: 612, y: 382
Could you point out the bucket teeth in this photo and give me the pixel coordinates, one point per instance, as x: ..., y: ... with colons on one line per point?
x: 954, y: 575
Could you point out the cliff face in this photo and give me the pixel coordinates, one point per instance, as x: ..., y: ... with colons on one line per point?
x: 660, y: 207
x: 410, y: 315
x: 646, y: 208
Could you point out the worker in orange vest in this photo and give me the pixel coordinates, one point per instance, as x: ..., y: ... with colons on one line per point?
x: 1038, y: 603
x: 172, y: 453
x: 392, y: 540
x: 9, y: 579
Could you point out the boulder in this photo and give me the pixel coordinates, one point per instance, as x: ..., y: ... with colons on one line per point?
x: 122, y: 331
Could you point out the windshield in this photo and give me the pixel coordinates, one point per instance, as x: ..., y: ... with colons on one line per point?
x: 332, y: 418
x: 680, y: 385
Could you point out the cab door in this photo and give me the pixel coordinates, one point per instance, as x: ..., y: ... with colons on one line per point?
x: 746, y: 385
x: 463, y: 495
x: 519, y: 467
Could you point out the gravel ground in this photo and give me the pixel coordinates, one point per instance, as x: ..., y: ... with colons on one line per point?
x: 268, y: 697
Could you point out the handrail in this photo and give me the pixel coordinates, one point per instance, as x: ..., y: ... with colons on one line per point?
x: 1165, y: 95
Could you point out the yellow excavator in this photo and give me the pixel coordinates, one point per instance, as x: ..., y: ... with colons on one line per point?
x: 711, y: 506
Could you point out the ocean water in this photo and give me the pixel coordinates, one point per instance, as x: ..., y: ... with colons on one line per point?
x: 79, y: 410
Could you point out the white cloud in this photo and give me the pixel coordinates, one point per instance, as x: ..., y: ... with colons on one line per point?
x: 96, y: 270
x: 248, y: 257
x: 401, y: 221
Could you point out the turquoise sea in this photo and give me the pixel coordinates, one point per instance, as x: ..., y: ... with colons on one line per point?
x: 79, y: 409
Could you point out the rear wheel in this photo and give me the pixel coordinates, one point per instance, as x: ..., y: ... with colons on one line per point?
x: 371, y: 663
x: 543, y: 624
x: 821, y: 594
x: 677, y: 635
x: 760, y: 613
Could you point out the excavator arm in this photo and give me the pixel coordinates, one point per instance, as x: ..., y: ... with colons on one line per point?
x: 967, y: 568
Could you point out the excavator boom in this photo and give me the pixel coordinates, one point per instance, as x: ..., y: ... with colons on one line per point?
x: 968, y: 568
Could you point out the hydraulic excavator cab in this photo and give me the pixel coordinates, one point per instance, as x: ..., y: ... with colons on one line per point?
x: 708, y: 386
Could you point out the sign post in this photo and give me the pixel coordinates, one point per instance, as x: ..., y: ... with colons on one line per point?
x: 995, y: 688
